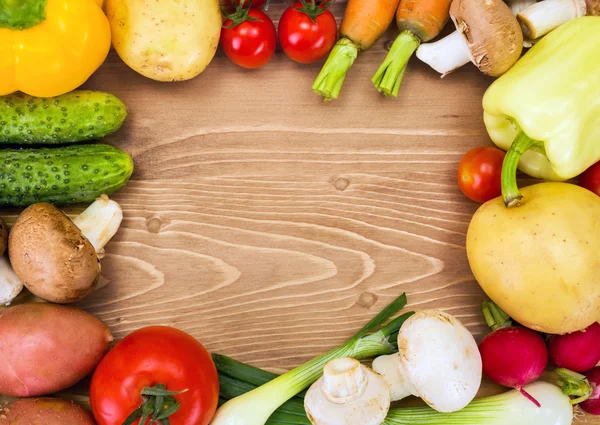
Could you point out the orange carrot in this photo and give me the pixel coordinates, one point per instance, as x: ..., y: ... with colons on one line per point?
x: 364, y: 23
x: 366, y: 20
x: 424, y: 18
x: 418, y: 21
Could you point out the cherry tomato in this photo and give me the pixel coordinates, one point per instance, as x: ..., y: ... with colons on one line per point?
x: 479, y: 173
x: 590, y: 179
x: 307, y: 33
x: 249, y: 43
x: 156, y: 357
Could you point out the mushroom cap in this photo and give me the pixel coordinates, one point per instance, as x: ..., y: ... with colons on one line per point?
x: 441, y: 359
x: 51, y: 256
x: 593, y: 7
x: 3, y: 237
x: 492, y: 32
x: 357, y: 396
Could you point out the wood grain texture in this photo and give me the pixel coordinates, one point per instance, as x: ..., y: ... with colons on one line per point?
x: 270, y: 225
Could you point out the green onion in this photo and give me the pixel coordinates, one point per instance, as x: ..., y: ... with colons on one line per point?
x: 256, y: 406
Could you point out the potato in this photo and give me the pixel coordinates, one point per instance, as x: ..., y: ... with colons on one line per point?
x: 46, y: 411
x: 171, y: 40
x: 46, y: 348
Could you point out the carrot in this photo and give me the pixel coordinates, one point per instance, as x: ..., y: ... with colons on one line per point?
x: 418, y: 21
x: 363, y: 24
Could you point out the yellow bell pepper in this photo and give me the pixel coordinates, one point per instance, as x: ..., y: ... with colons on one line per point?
x: 548, y: 105
x: 50, y: 47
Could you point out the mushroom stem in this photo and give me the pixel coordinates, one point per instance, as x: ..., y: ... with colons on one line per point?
x: 447, y: 54
x: 543, y: 17
x: 343, y: 380
x: 391, y: 368
x: 10, y: 284
x: 99, y: 222
x: 517, y: 6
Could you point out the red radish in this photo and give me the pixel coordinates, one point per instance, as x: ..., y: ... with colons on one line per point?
x: 578, y: 351
x: 592, y: 404
x: 512, y: 356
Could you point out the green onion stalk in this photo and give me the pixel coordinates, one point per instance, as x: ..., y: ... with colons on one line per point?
x: 256, y: 406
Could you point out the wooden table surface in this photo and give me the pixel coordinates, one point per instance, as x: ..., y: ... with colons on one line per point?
x: 271, y: 225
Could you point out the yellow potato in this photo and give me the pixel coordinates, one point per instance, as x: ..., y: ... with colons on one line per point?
x: 165, y: 40
x: 540, y: 261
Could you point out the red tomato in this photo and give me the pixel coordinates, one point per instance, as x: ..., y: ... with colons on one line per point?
x: 307, y: 34
x: 479, y: 173
x: 251, y: 43
x: 590, y: 179
x: 151, y: 356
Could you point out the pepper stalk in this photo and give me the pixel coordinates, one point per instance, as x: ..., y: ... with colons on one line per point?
x: 510, y: 190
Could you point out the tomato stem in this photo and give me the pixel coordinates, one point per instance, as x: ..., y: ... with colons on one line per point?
x: 157, y: 406
x: 240, y: 15
x: 314, y: 8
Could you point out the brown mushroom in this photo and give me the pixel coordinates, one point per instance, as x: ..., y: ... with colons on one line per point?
x: 3, y: 236
x: 488, y: 34
x: 547, y: 15
x: 53, y: 257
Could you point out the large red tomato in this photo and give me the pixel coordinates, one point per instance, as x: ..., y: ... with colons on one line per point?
x: 307, y: 32
x: 249, y: 37
x: 150, y: 360
x: 479, y: 173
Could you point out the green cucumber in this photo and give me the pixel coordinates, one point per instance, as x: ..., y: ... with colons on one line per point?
x: 61, y: 176
x: 74, y: 117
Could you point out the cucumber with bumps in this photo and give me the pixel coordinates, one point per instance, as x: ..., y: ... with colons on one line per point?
x: 63, y: 175
x: 74, y: 117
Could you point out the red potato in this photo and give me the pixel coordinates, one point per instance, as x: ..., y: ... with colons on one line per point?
x: 46, y: 411
x: 46, y: 348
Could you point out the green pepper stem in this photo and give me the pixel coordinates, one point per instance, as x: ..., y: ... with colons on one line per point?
x: 495, y: 317
x: 574, y: 384
x: 22, y: 14
x: 331, y: 78
x: 388, y: 78
x: 510, y: 190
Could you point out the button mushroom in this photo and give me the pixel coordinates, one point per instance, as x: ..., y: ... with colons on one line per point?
x: 437, y: 360
x: 547, y: 15
x: 517, y: 6
x: 348, y: 393
x: 56, y: 258
x: 487, y: 34
x: 10, y: 285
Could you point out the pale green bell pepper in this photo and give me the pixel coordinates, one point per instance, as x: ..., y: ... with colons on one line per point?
x: 548, y: 104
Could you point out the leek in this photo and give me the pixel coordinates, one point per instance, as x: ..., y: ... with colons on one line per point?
x: 256, y: 406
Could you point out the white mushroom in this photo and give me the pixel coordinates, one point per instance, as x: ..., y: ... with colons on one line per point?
x: 348, y: 393
x: 10, y: 285
x: 547, y: 15
x: 438, y: 360
x: 517, y: 6
x: 487, y: 34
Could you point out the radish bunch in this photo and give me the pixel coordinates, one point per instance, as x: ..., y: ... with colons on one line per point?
x: 514, y: 356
